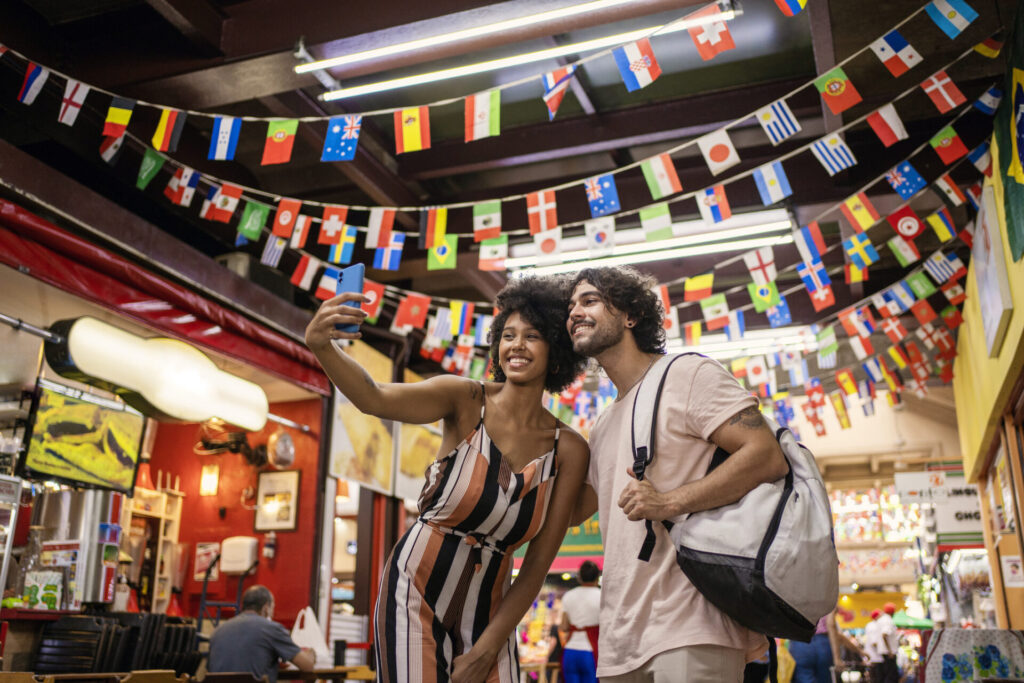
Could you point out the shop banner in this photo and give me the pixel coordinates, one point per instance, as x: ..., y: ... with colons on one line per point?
x: 954, y: 501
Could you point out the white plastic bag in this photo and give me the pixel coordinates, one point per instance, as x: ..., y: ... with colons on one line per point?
x: 306, y: 633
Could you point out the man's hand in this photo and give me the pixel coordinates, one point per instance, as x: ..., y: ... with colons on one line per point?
x: 639, y: 500
x: 473, y: 666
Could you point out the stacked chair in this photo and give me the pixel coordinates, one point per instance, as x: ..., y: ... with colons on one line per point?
x: 118, y: 642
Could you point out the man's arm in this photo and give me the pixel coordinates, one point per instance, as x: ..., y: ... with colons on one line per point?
x: 305, y: 660
x: 756, y: 458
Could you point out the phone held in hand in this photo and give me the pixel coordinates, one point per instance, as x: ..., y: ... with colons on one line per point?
x: 351, y: 280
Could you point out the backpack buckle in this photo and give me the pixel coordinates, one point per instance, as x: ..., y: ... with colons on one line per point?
x: 640, y: 462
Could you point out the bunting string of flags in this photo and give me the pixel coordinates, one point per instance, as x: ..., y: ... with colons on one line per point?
x: 290, y: 227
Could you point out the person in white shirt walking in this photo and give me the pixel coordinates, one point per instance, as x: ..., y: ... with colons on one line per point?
x: 581, y: 614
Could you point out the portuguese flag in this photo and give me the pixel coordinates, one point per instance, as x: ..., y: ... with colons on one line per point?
x: 837, y: 90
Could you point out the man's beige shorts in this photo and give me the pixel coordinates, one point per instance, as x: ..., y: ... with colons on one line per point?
x: 691, y: 664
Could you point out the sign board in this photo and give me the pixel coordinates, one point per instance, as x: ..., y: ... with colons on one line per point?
x: 955, y: 502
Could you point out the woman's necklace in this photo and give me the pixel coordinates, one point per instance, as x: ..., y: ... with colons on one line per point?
x: 637, y: 380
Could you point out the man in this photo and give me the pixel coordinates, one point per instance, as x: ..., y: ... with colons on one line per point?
x: 252, y: 642
x: 654, y: 624
x: 882, y: 642
x: 581, y: 615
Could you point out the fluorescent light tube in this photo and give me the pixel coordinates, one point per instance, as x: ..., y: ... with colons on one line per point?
x: 678, y: 252
x: 516, y: 60
x: 474, y: 32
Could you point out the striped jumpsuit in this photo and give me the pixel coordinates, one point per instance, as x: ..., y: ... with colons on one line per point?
x: 447, y: 575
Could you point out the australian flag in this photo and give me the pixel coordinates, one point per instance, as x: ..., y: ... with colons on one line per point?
x: 602, y: 195
x: 342, y: 138
x: 779, y: 314
x: 905, y: 180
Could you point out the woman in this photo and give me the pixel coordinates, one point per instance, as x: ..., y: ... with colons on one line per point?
x: 814, y: 659
x: 448, y: 608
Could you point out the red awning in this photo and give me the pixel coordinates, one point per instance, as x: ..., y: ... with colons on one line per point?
x: 41, y: 249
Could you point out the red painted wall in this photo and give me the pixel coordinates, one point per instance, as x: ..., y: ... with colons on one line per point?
x: 289, y: 574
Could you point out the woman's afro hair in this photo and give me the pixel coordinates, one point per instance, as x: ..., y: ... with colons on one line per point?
x: 539, y: 301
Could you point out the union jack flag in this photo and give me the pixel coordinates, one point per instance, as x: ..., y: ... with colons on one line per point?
x: 352, y: 126
x: 593, y: 187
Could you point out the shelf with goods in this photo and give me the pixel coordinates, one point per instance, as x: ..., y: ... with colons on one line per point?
x: 876, y: 536
x: 158, y: 513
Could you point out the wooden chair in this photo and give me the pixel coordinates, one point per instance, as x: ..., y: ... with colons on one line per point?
x: 154, y: 676
x: 18, y: 677
x: 231, y: 677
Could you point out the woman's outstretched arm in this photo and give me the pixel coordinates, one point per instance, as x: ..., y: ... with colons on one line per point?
x: 414, y: 403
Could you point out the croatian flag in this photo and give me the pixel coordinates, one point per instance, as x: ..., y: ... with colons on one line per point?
x: 637, y: 64
x: 895, y: 53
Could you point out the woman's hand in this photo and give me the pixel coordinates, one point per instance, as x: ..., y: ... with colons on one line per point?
x: 473, y: 666
x: 341, y: 310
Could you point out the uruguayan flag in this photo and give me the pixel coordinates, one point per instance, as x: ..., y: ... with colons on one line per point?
x: 939, y: 267
x: 778, y: 121
x: 833, y: 154
x: 272, y: 251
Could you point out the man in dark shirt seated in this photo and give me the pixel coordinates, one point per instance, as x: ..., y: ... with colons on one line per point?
x: 252, y: 642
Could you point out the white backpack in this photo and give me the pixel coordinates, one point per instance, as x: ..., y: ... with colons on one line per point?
x: 768, y: 560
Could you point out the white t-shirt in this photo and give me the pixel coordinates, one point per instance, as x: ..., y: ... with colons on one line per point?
x: 651, y: 607
x: 583, y: 607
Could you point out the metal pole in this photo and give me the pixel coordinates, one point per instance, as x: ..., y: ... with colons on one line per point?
x: 19, y: 324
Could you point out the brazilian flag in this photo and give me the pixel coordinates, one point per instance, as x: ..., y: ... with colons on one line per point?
x: 442, y: 257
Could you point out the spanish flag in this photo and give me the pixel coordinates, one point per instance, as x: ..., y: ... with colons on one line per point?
x: 412, y: 129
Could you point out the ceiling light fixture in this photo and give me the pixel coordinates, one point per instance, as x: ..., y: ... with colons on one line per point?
x: 160, y: 377
x: 454, y: 36
x: 754, y: 342
x: 517, y: 60
x: 678, y: 252
x: 687, y: 233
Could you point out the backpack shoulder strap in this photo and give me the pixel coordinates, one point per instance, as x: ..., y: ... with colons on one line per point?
x: 644, y: 429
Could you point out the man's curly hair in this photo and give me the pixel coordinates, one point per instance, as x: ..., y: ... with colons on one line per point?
x: 630, y: 292
x: 538, y: 300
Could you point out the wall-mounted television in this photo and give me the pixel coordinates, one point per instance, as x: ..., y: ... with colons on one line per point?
x: 83, y: 440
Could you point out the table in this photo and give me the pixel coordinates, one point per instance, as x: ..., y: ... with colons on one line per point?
x: 337, y: 673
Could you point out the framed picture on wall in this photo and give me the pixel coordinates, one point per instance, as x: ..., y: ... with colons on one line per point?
x: 277, y: 501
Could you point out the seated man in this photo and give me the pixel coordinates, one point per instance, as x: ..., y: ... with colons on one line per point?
x: 252, y: 642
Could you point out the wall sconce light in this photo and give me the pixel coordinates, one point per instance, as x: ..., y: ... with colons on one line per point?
x: 160, y: 377
x: 208, y: 480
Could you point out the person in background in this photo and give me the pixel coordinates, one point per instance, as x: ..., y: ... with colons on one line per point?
x: 252, y: 642
x: 881, y: 642
x: 889, y: 645
x: 507, y: 472
x: 581, y: 614
x: 655, y: 625
x: 814, y: 659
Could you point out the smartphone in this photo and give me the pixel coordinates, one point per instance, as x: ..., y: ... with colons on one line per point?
x: 351, y: 280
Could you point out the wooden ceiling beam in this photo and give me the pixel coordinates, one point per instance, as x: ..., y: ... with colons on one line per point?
x: 197, y: 20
